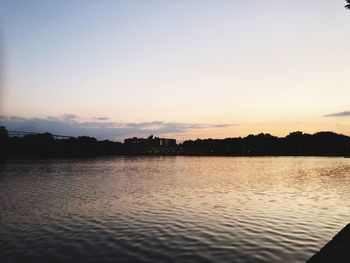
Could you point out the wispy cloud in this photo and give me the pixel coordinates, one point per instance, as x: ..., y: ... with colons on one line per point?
x: 101, y: 118
x: 101, y: 128
x: 69, y: 116
x: 339, y: 114
x: 223, y: 125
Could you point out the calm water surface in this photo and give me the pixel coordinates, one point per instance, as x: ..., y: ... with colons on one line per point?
x: 171, y: 209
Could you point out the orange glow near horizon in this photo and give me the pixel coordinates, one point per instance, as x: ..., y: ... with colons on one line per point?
x: 206, y: 69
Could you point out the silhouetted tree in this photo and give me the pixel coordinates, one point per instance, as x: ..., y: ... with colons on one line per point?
x: 3, y: 140
x: 3, y: 132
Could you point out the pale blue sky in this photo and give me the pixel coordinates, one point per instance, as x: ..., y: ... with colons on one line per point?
x: 235, y: 67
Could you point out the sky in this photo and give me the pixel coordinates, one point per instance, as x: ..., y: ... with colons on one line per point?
x: 185, y: 69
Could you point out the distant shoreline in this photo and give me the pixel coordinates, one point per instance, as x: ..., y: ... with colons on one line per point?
x: 46, y: 145
x: 155, y: 156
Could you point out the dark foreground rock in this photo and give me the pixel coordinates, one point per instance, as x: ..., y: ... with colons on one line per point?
x: 336, y: 250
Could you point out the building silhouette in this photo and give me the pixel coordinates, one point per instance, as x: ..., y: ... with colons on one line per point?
x: 151, y: 146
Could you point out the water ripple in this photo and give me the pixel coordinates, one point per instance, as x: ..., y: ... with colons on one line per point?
x: 171, y: 209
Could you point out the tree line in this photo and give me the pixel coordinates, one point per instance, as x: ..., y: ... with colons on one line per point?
x: 294, y: 144
x: 46, y: 145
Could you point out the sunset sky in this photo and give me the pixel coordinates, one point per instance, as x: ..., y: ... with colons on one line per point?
x: 183, y: 69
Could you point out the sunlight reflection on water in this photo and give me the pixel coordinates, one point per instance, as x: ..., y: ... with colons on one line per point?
x: 188, y: 209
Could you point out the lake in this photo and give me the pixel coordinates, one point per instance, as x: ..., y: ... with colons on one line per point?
x: 171, y: 209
